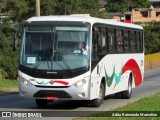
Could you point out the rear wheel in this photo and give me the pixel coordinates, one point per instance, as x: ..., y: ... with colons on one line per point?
x: 98, y: 101
x: 41, y: 103
x: 127, y: 93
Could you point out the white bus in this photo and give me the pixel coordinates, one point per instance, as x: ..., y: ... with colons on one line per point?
x: 49, y: 69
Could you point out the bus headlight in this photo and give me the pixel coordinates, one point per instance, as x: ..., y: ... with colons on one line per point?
x: 80, y: 83
x: 25, y: 82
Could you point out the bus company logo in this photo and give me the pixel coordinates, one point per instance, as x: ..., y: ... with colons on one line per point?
x: 48, y: 72
x: 6, y: 114
x: 51, y: 82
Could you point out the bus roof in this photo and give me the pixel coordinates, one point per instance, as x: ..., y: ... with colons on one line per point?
x: 83, y: 18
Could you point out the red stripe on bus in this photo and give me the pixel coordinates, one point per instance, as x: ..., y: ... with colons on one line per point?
x: 61, y: 82
x: 133, y: 66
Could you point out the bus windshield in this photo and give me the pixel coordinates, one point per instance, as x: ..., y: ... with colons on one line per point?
x: 52, y: 47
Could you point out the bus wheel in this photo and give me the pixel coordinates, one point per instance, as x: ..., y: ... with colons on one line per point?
x: 127, y: 93
x: 98, y: 101
x: 41, y: 103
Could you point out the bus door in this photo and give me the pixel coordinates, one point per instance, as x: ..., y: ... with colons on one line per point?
x: 95, y: 75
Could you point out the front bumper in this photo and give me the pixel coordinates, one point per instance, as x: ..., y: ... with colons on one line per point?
x: 64, y: 93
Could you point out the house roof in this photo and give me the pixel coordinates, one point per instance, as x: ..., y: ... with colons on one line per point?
x: 114, y: 14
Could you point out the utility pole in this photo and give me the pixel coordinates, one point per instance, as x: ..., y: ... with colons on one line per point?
x: 37, y: 7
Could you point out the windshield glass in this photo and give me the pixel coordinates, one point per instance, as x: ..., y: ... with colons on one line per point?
x: 55, y: 47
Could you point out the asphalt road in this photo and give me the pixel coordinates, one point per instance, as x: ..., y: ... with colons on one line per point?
x: 150, y: 86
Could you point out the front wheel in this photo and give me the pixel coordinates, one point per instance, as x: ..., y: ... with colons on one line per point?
x: 127, y: 93
x: 98, y: 101
x: 41, y: 103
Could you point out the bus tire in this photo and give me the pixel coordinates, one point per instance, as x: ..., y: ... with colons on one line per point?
x: 41, y: 103
x: 127, y: 93
x: 98, y: 101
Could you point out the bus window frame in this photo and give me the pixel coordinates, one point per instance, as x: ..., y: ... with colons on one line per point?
x: 115, y: 27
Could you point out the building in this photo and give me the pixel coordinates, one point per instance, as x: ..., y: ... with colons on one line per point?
x: 117, y: 16
x: 146, y: 15
x: 139, y: 15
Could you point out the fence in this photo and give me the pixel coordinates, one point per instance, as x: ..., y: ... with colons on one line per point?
x: 152, y: 61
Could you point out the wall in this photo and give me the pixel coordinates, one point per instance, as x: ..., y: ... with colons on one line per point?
x: 152, y: 61
x: 138, y: 14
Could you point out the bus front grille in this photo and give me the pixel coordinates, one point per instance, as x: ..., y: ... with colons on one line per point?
x: 40, y: 86
x: 55, y: 93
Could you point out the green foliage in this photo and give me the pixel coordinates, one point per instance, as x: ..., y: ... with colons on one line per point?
x: 81, y: 7
x: 152, y: 37
x: 3, y: 74
x: 126, y: 5
x: 66, y: 7
x: 9, y: 85
x: 48, y: 7
x: 139, y: 4
x: 8, y: 58
x: 18, y: 10
x: 116, y: 6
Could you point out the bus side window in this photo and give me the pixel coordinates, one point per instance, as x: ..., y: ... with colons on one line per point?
x: 133, y: 41
x: 103, y: 41
x: 138, y: 41
x: 111, y: 40
x: 95, y: 48
x: 141, y: 41
x: 119, y: 40
x: 126, y: 41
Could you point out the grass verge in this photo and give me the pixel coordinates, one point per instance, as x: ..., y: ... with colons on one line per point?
x: 150, y: 103
x: 8, y: 85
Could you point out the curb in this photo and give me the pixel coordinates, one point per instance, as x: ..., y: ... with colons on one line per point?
x: 8, y: 93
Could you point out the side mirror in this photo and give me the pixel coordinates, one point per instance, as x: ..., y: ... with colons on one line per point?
x: 17, y: 33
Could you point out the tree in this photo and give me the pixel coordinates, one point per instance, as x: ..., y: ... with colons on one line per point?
x: 48, y: 7
x: 116, y: 6
x: 66, y: 7
x: 8, y: 58
x: 126, y: 5
x: 2, y: 5
x: 140, y: 4
x: 152, y: 37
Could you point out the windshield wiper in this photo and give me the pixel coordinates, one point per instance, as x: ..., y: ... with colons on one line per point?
x: 67, y: 66
x: 64, y: 62
x: 37, y: 64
